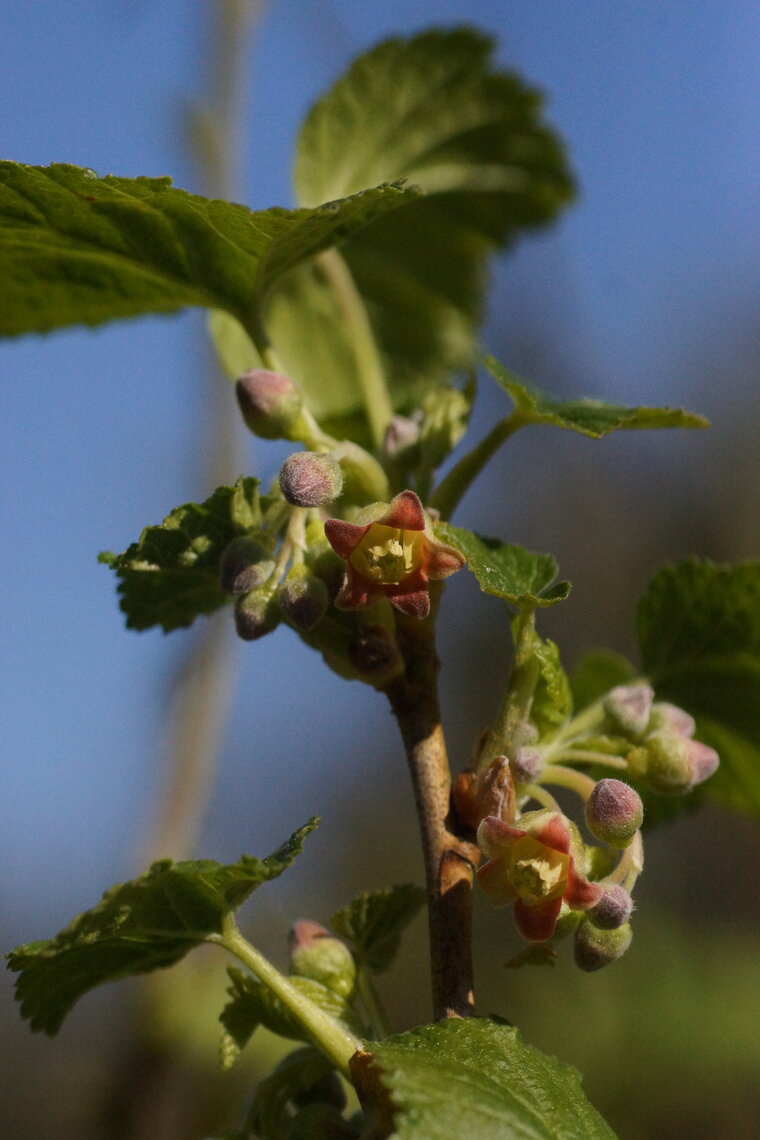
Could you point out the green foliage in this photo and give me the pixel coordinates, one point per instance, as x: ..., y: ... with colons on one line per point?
x: 475, y: 1078
x: 431, y: 109
x: 699, y: 628
x: 594, y: 418
x: 79, y: 249
x: 520, y: 576
x: 171, y: 574
x: 552, y: 699
x: 375, y: 921
x: 143, y: 925
x: 252, y: 1004
x: 299, y: 1101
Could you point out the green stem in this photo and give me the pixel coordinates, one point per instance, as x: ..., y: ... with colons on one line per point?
x: 546, y: 799
x: 582, y: 756
x: 369, y: 368
x: 630, y: 866
x: 568, y: 778
x: 328, y: 1035
x: 377, y: 1018
x: 453, y: 487
x: 515, y: 708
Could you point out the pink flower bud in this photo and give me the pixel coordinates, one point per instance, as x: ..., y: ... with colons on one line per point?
x: 672, y: 764
x: 317, y: 954
x: 595, y: 948
x: 614, y: 812
x: 669, y: 718
x: 256, y: 614
x: 308, y: 479
x: 613, y: 909
x: 270, y: 402
x: 628, y: 707
x: 245, y: 564
x: 526, y: 765
x: 303, y: 600
x: 703, y: 761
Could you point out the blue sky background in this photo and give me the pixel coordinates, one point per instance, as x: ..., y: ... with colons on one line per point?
x: 647, y: 291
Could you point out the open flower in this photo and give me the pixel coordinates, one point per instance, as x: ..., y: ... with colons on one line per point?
x: 391, y: 552
x: 534, y: 867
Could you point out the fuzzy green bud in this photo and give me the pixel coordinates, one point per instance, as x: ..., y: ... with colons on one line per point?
x: 303, y: 599
x: 316, y: 954
x: 669, y: 718
x: 613, y: 909
x: 270, y: 402
x: 595, y: 948
x: 256, y: 614
x: 629, y: 708
x: 614, y: 812
x: 246, y: 564
x: 375, y: 655
x: 310, y: 479
x: 672, y: 764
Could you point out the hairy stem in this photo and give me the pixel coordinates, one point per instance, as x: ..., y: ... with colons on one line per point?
x: 448, y: 860
x: 327, y: 1034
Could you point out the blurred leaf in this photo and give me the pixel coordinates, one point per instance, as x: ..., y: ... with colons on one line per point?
x: 151, y: 922
x: 699, y: 629
x: 79, y: 249
x: 431, y: 109
x: 171, y: 574
x: 519, y: 576
x: 589, y: 417
x: 475, y: 1078
x: 252, y: 1004
x: 298, y: 1076
x: 375, y: 921
x: 598, y: 671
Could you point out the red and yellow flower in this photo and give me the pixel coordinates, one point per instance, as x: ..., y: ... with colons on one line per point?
x: 391, y: 552
x: 535, y: 867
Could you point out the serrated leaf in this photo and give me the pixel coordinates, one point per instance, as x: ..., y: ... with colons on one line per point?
x: 252, y: 1004
x: 271, y: 1114
x: 474, y: 1077
x: 594, y: 418
x: 552, y: 699
x: 699, y: 629
x: 143, y: 925
x: 171, y: 574
x: 79, y: 249
x: 520, y: 576
x: 598, y: 671
x: 375, y: 921
x: 434, y: 110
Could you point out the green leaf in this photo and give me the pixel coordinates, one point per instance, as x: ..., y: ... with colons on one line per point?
x: 301, y: 1076
x: 143, y: 925
x: 79, y: 249
x: 252, y: 1004
x: 375, y: 921
x: 589, y: 417
x: 699, y: 629
x: 598, y: 671
x: 474, y: 1077
x: 552, y: 700
x: 510, y: 572
x: 434, y: 110
x: 171, y: 574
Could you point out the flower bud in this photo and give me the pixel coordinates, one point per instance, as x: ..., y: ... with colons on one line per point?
x: 526, y: 765
x: 671, y: 764
x: 270, y: 402
x: 595, y: 948
x: 629, y: 707
x: 375, y: 655
x: 245, y: 564
x: 256, y: 614
x: 669, y: 718
x: 316, y: 954
x: 303, y: 599
x: 614, y: 812
x: 309, y: 479
x: 613, y: 909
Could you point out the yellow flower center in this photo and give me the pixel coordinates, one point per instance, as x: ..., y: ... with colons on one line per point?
x: 536, y: 872
x: 386, y: 555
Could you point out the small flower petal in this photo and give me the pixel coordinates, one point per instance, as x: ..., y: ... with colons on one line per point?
x: 495, y: 837
x: 442, y: 561
x: 536, y: 923
x: 344, y: 537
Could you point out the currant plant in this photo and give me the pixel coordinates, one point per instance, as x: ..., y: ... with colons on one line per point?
x: 348, y: 325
